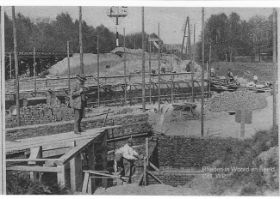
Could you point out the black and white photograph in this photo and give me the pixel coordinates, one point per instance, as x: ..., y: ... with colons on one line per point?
x: 139, y: 100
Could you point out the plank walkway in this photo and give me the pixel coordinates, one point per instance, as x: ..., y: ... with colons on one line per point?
x: 54, y: 139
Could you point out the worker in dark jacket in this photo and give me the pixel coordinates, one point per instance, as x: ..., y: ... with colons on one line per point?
x: 78, y: 102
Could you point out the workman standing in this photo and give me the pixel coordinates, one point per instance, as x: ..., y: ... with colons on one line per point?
x: 212, y: 72
x: 128, y: 156
x: 230, y: 75
x: 255, y: 78
x: 78, y: 102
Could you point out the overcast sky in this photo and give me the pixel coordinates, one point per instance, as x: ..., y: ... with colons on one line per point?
x: 171, y: 19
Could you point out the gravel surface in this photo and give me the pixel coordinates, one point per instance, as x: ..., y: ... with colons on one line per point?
x: 230, y: 101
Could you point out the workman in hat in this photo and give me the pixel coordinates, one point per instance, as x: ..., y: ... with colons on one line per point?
x: 78, y: 102
x: 128, y: 156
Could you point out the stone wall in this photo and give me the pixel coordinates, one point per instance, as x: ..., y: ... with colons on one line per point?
x: 136, y: 123
x: 184, y: 152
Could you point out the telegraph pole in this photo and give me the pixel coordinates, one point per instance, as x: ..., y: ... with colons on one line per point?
x: 34, y: 68
x: 124, y: 64
x: 275, y: 69
x: 182, y: 47
x: 143, y: 62
x: 209, y: 68
x: 202, y: 77
x: 81, y: 41
x: 189, y: 39
x: 194, y: 52
x: 16, y: 65
x: 159, y: 66
x: 150, y: 69
x: 2, y: 107
x: 10, y: 64
x: 68, y: 64
x: 98, y: 83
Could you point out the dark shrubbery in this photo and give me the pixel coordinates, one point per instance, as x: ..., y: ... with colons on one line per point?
x: 20, y: 184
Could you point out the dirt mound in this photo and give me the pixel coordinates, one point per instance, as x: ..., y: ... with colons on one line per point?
x: 116, y: 66
x: 156, y: 189
x: 229, y: 101
x: 90, y: 63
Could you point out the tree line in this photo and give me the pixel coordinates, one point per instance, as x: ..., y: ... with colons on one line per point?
x: 51, y: 36
x: 229, y: 36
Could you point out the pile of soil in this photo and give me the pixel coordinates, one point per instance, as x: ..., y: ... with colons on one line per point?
x: 111, y: 64
x: 230, y: 101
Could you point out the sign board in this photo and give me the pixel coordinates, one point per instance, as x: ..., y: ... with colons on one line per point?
x: 248, y: 116
x: 115, y: 11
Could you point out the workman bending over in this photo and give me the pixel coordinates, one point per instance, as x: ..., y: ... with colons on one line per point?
x: 128, y: 156
x: 78, y: 102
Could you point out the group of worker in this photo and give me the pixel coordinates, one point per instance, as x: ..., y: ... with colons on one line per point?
x: 230, y: 76
x: 124, y: 156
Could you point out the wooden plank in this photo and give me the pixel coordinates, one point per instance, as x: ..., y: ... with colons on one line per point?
x: 35, y: 153
x: 54, y: 139
x: 30, y: 159
x: 55, y: 152
x: 141, y: 179
x: 74, y: 151
x: 34, y: 168
x: 104, y: 156
x: 101, y: 173
x: 153, y: 166
x: 76, y: 172
x: 90, y: 186
x: 127, y: 136
x: 156, y: 178
x: 61, y: 176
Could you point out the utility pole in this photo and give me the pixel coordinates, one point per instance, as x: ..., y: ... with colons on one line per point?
x: 2, y: 107
x: 189, y: 39
x: 150, y: 69
x: 143, y: 62
x: 124, y: 64
x: 209, y: 69
x: 34, y: 68
x: 194, y: 52
x: 81, y: 41
x: 182, y: 47
x: 159, y: 47
x: 98, y: 83
x: 68, y: 64
x: 275, y: 69
x: 16, y: 65
x: 10, y: 64
x: 202, y: 77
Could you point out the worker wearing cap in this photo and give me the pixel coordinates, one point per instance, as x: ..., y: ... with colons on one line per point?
x: 128, y: 156
x: 78, y: 102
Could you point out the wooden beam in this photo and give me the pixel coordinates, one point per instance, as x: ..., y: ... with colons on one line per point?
x: 156, y: 178
x: 35, y: 153
x: 30, y: 159
x: 76, y: 172
x: 85, y: 182
x: 73, y: 152
x: 153, y: 166
x: 55, y: 139
x: 104, y: 156
x: 16, y: 65
x: 61, y: 176
x: 100, y: 173
x: 34, y: 168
